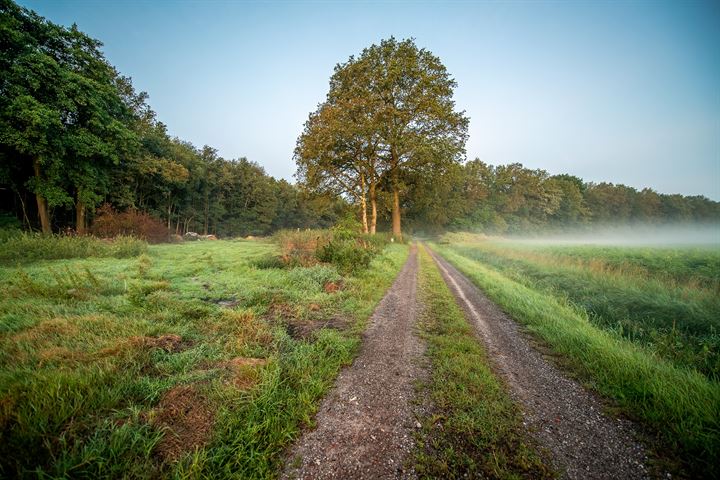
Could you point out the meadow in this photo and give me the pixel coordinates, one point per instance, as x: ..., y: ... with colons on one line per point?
x: 641, y: 325
x: 196, y: 359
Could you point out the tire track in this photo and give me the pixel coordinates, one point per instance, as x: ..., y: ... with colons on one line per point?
x: 365, y: 425
x: 563, y: 416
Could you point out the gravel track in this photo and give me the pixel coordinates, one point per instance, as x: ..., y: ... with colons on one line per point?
x: 365, y: 425
x: 564, y: 417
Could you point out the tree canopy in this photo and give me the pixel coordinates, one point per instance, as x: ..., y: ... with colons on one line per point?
x: 389, y: 112
x: 74, y: 134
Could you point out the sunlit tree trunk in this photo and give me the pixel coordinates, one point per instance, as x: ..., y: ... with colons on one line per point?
x: 396, y: 230
x: 363, y: 204
x: 42, y: 205
x: 373, y: 208
x: 80, y: 217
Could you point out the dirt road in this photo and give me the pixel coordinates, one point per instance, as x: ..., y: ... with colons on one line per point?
x: 364, y: 426
x: 563, y: 416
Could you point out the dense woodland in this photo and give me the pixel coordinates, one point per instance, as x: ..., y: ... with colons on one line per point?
x: 75, y: 135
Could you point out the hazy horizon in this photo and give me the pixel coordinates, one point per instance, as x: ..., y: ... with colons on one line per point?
x: 638, y: 235
x: 623, y: 93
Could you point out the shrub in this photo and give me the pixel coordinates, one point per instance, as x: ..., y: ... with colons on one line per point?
x: 111, y: 223
x: 349, y: 250
x: 347, y: 254
x: 126, y: 247
x: 342, y: 246
x: 298, y: 247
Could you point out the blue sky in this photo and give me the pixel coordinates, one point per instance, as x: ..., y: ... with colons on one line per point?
x: 627, y: 92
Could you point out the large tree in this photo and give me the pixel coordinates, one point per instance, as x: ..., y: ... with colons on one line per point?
x: 414, y: 113
x: 398, y: 116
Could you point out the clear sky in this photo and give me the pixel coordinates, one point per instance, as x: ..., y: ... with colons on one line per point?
x: 627, y: 92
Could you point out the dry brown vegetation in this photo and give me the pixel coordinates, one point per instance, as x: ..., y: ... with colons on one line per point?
x: 187, y: 419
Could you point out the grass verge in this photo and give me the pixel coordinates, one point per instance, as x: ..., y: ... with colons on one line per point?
x: 677, y: 319
x: 474, y: 430
x: 681, y: 405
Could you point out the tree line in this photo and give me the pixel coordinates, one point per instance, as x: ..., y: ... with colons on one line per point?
x: 387, y: 143
x: 515, y: 199
x: 74, y: 134
x: 389, y: 135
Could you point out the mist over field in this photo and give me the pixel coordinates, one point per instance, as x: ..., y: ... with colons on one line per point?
x: 688, y: 234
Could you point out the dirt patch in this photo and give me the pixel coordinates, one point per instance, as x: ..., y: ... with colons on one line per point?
x: 282, y: 310
x: 171, y: 343
x: 306, y: 329
x: 303, y: 325
x: 563, y: 416
x: 244, y: 371
x: 332, y: 287
x: 186, y: 418
x: 60, y: 354
x: 365, y: 425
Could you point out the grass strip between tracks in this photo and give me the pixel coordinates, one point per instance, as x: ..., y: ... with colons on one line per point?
x: 473, y: 428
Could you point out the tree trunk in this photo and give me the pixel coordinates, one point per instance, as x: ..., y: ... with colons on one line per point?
x: 396, y: 231
x: 26, y: 219
x: 373, y: 208
x: 80, y: 218
x: 206, y: 211
x: 363, y: 204
x: 42, y: 205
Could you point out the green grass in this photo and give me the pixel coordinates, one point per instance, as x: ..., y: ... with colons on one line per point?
x: 474, y: 429
x: 666, y: 311
x: 85, y: 383
x: 681, y: 405
x: 694, y: 265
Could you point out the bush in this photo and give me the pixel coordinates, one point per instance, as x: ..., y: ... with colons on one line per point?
x: 298, y: 247
x: 347, y: 254
x: 27, y: 247
x: 111, y: 223
x: 342, y: 246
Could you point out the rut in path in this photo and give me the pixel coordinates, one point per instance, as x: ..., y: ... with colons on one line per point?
x: 563, y: 416
x: 364, y: 426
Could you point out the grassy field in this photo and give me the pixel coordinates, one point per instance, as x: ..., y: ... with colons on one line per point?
x: 665, y: 299
x: 643, y: 335
x: 192, y: 360
x: 474, y: 430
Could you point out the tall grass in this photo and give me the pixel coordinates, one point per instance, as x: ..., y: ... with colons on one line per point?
x: 22, y: 247
x: 681, y: 405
